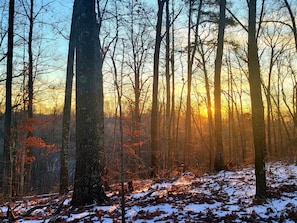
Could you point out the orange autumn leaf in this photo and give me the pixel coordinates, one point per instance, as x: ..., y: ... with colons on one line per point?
x: 51, y: 149
x: 35, y: 142
x: 29, y: 159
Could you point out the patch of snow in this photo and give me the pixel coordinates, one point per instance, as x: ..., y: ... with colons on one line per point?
x: 224, y: 197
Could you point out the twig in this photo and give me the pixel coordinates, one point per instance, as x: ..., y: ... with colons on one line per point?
x: 58, y: 209
x: 27, y: 213
x: 10, y: 214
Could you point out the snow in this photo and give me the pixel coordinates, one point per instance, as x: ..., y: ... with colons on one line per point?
x: 224, y: 197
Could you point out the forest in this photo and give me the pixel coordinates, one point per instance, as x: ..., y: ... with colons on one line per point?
x: 101, y: 96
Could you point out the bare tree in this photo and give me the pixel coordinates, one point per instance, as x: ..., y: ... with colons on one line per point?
x: 172, y: 145
x: 7, y: 177
x: 31, y: 18
x: 203, y: 65
x: 219, y: 156
x: 154, y: 114
x: 257, y: 104
x: 139, y: 41
x: 67, y: 105
x: 118, y: 81
x: 272, y: 39
x: 191, y: 50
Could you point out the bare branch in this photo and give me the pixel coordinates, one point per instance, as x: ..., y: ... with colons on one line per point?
x: 19, y: 75
x: 5, y: 55
x: 237, y: 20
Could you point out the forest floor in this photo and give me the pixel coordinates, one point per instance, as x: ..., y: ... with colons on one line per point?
x: 224, y: 197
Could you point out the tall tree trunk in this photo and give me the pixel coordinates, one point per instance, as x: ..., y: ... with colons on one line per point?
x: 64, y: 155
x: 30, y: 65
x: 188, y: 129
x: 257, y: 104
x: 29, y: 152
x: 154, y: 115
x: 136, y: 69
x: 119, y: 89
x: 179, y: 154
x: 191, y: 55
x: 99, y: 94
x: 241, y: 123
x: 89, y: 109
x: 137, y: 117
x: 172, y: 151
x: 209, y: 109
x: 269, y: 105
x: 219, y: 154
x: 6, y: 183
x: 231, y: 127
x: 294, y: 30
x: 168, y: 97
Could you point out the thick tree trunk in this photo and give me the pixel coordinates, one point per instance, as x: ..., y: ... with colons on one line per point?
x: 219, y: 154
x: 6, y: 183
x: 89, y: 109
x: 257, y: 104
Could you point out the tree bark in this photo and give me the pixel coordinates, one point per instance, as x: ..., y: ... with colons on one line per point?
x: 172, y: 146
x: 168, y: 97
x: 154, y: 114
x: 64, y: 155
x: 209, y: 107
x: 89, y: 109
x: 30, y: 65
x: 7, y: 190
x: 188, y: 129
x: 258, y: 123
x: 219, y: 154
x: 29, y: 152
x: 190, y: 59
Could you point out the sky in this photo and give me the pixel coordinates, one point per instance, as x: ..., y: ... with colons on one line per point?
x: 53, y: 25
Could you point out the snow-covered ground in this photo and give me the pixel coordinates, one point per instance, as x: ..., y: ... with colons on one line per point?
x: 224, y: 197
